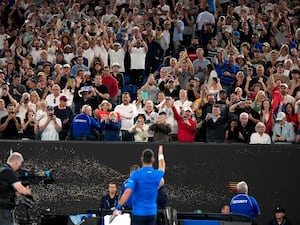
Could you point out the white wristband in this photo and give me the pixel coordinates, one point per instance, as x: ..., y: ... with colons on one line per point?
x: 161, y: 157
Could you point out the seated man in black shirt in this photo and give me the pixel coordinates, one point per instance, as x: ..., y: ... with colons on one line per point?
x: 110, y: 200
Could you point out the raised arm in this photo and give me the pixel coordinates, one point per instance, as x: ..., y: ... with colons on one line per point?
x: 161, y: 159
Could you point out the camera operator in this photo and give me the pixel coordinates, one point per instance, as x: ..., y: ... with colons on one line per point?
x: 50, y: 126
x: 9, y: 184
x: 10, y: 124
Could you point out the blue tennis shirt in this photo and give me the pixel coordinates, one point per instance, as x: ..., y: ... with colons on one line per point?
x: 144, y: 184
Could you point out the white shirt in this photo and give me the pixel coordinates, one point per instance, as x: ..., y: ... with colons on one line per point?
x: 68, y: 57
x: 256, y: 138
x: 181, y: 105
x: 137, y: 56
x: 204, y: 17
x: 50, y: 133
x: 101, y: 52
x: 127, y: 113
x: 51, y: 100
x: 117, y: 57
x: 140, y: 135
x: 89, y: 54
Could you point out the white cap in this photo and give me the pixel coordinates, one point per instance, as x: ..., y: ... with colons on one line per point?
x: 280, y: 116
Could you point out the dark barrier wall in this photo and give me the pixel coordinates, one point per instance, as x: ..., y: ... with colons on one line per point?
x: 197, y: 175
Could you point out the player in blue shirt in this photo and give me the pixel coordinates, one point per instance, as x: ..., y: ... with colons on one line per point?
x: 143, y: 184
x: 128, y: 204
x: 243, y: 203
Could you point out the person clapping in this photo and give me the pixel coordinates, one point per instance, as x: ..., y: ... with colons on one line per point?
x: 110, y: 126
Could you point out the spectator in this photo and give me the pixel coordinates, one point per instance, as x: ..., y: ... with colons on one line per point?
x: 154, y: 56
x: 3, y: 110
x: 117, y: 54
x: 6, y: 96
x: 245, y: 129
x: 280, y: 217
x: 84, y: 126
x: 267, y: 116
x: 170, y: 87
x: 50, y: 126
x: 200, y: 65
x: 283, y: 131
x: 214, y: 124
x: 137, y: 49
x: 232, y: 133
x: 53, y: 98
x: 10, y: 124
x: 127, y: 112
x: 16, y: 89
x: 65, y: 114
x: 291, y: 116
x: 161, y: 128
x: 150, y: 87
x: 29, y: 125
x: 110, y: 82
x: 111, y: 126
x: 177, y: 33
x: 140, y: 129
x: 243, y: 203
x: 166, y: 106
x: 120, y: 79
x: 260, y: 137
x: 227, y: 70
x: 186, y: 125
x: 79, y: 66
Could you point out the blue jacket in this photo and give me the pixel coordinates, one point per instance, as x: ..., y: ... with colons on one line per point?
x: 84, y: 127
x: 111, y: 130
x: 245, y: 205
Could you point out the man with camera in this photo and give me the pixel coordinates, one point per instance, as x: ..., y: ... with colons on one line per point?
x: 50, y: 126
x: 9, y: 185
x: 10, y: 124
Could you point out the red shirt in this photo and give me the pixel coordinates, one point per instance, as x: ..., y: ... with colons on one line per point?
x: 112, y: 84
x: 186, y: 133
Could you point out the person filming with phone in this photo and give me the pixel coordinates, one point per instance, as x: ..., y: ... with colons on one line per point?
x: 50, y: 126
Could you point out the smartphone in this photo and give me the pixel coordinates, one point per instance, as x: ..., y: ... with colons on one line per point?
x: 69, y: 81
x: 144, y: 95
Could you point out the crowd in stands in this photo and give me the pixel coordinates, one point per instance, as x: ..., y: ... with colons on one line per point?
x: 141, y: 70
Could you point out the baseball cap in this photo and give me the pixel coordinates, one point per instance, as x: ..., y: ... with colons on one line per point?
x: 148, y: 23
x: 63, y: 98
x: 117, y: 44
x: 284, y: 85
x: 67, y: 46
x: 97, y: 8
x: 50, y: 107
x: 115, y: 64
x: 222, y: 90
x: 187, y: 109
x: 67, y: 66
x: 279, y: 209
x: 158, y: 27
x: 236, y: 33
x: 280, y: 116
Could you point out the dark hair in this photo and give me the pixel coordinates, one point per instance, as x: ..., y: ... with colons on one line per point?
x: 293, y: 108
x: 147, y: 155
x: 140, y: 115
x: 134, y: 167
